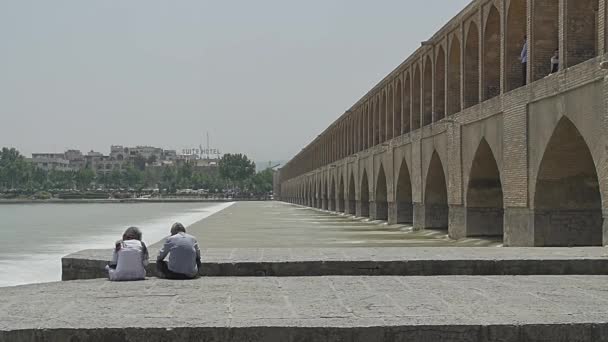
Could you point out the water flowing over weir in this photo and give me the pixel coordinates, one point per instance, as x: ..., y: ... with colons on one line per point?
x: 47, y: 232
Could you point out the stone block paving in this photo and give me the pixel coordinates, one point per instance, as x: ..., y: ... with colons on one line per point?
x: 455, y: 308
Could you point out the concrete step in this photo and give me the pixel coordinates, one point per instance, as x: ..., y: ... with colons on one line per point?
x: 383, y: 261
x: 320, y: 309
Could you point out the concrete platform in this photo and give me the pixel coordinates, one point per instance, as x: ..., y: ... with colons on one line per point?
x: 362, y: 309
x: 393, y: 261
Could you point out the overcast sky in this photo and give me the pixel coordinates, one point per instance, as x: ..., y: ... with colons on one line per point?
x: 263, y: 77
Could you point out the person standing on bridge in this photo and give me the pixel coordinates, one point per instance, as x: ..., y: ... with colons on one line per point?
x: 555, y: 62
x: 184, y: 255
x: 130, y: 257
x: 524, y: 60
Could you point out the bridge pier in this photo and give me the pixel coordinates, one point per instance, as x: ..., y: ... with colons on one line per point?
x: 457, y: 226
x: 519, y: 227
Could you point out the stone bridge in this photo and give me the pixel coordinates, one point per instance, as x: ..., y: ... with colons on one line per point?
x: 464, y: 136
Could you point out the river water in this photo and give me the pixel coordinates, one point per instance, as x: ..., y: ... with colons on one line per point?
x: 34, y: 237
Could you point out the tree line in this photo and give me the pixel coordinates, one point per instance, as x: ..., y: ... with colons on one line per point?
x: 236, y: 174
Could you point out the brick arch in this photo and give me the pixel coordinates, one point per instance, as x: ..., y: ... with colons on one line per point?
x: 381, y: 196
x: 416, y: 98
x: 581, y: 38
x: 364, y: 194
x: 484, y: 195
x: 454, y: 75
x: 471, y: 66
x: 427, y: 92
x: 403, y: 195
x: 436, y: 195
x: 516, y: 30
x: 567, y: 197
x: 407, y: 101
x: 491, y: 54
x: 440, y: 84
x: 398, y: 109
x: 325, y: 193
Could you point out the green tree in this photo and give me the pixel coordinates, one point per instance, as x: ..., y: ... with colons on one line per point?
x: 84, y: 178
x: 132, y: 177
x: 115, y: 179
x: 236, y: 168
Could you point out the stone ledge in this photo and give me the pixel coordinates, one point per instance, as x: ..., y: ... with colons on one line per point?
x: 320, y: 309
x: 386, y: 261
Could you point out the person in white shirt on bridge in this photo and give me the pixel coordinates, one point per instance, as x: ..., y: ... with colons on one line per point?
x: 130, y: 257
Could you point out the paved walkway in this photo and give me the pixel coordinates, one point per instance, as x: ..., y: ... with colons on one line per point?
x: 278, y: 224
x: 534, y: 308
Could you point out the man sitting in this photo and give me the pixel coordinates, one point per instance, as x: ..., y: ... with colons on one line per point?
x: 184, y: 255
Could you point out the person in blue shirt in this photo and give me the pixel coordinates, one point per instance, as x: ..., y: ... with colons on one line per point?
x: 184, y: 255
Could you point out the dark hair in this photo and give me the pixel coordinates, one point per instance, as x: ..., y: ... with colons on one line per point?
x: 132, y: 233
x: 177, y: 228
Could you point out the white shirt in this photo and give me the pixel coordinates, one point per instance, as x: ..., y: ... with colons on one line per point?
x: 130, y: 260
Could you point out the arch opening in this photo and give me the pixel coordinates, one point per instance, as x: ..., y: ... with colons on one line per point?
x: 416, y: 99
x: 364, y: 202
x: 404, y: 203
x: 331, y: 201
x: 484, y: 209
x: 324, y: 194
x: 382, y: 116
x: 407, y: 108
x: 471, y: 67
x: 436, y: 196
x: 381, y: 197
x: 545, y: 23
x: 517, y: 23
x: 440, y: 85
x: 581, y: 37
x: 340, y: 205
x: 491, y: 55
x: 377, y: 125
x: 427, y: 92
x: 390, y: 113
x: 398, y: 127
x: 352, y: 199
x: 454, y: 78
x: 567, y: 203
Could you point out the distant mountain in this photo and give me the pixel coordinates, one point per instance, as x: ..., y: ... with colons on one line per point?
x: 263, y: 165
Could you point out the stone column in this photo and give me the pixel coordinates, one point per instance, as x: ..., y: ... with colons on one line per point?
x: 457, y: 222
x: 392, y: 213
x: 519, y: 227
x: 419, y: 216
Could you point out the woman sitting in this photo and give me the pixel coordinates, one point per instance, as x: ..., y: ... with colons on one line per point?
x: 130, y: 257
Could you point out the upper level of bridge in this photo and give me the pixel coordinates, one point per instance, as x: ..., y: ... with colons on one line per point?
x: 474, y: 58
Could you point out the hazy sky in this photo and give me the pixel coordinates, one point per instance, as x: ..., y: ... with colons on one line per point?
x: 262, y: 77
